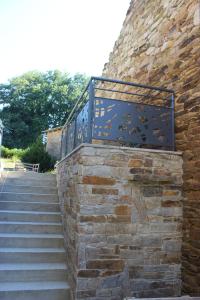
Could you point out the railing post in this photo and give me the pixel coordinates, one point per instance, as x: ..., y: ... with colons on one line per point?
x: 173, y: 121
x: 66, y: 139
x: 90, y: 111
x: 61, y: 145
x: 75, y: 132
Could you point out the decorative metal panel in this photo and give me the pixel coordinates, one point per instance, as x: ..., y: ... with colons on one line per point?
x: 130, y: 123
x: 64, y: 142
x: 70, y: 137
x: 82, y: 125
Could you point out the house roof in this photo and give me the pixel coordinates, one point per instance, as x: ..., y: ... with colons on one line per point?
x: 53, y: 129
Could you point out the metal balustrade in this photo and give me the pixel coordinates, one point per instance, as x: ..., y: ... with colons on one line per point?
x: 121, y: 113
x: 20, y: 166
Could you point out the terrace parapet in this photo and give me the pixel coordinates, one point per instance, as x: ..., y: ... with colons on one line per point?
x: 122, y: 215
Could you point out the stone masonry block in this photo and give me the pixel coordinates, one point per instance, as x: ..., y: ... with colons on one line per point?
x: 122, y: 236
x: 110, y: 264
x: 96, y: 180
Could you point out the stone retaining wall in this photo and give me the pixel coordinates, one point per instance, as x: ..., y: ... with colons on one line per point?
x: 122, y: 216
x: 159, y: 45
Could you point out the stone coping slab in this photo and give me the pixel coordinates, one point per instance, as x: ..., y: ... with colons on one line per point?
x: 118, y: 148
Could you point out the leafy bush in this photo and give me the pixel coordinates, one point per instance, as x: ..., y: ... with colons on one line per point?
x: 12, y: 153
x: 36, y: 154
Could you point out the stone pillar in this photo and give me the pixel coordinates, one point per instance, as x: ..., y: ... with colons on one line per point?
x: 122, y: 216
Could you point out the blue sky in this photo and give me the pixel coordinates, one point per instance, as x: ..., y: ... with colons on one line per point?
x: 69, y: 35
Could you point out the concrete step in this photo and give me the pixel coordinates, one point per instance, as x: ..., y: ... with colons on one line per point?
x: 32, y: 255
x: 8, y: 169
x: 30, y: 227
x: 31, y: 216
x: 28, y: 197
x: 29, y: 206
x: 28, y: 189
x: 19, y: 240
x: 29, y: 174
x: 45, y: 290
x: 33, y: 272
x: 30, y: 182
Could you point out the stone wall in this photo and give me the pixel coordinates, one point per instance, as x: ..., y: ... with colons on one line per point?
x: 53, y: 146
x: 122, y: 216
x: 159, y: 45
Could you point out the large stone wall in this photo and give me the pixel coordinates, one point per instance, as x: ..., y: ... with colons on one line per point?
x: 122, y: 216
x: 159, y: 45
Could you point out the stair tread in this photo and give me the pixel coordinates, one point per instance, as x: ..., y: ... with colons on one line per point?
x: 30, y: 223
x: 25, y: 286
x: 27, y: 179
x: 32, y: 250
x: 25, y: 186
x: 31, y: 235
x: 33, y: 266
x: 30, y: 212
x: 32, y: 173
x: 29, y: 182
x: 56, y: 204
x: 37, y: 194
x: 31, y: 202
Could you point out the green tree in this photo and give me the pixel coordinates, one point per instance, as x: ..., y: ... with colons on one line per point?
x: 36, y: 153
x: 36, y: 101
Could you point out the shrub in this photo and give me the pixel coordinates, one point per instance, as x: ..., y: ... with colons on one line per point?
x: 36, y: 154
x: 12, y: 153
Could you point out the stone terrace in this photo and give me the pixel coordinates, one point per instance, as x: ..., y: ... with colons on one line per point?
x: 122, y: 215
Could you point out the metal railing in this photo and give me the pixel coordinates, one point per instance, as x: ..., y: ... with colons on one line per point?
x: 122, y: 113
x: 19, y: 166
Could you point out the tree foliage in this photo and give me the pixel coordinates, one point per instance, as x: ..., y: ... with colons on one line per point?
x: 36, y: 153
x: 36, y: 101
x: 12, y: 153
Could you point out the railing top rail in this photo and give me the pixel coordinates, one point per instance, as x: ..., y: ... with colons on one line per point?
x: 27, y: 164
x: 132, y: 94
x: 133, y: 84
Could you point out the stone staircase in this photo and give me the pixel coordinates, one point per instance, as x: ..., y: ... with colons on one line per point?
x: 32, y: 254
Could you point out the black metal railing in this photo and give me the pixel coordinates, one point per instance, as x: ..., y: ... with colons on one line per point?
x: 122, y: 113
